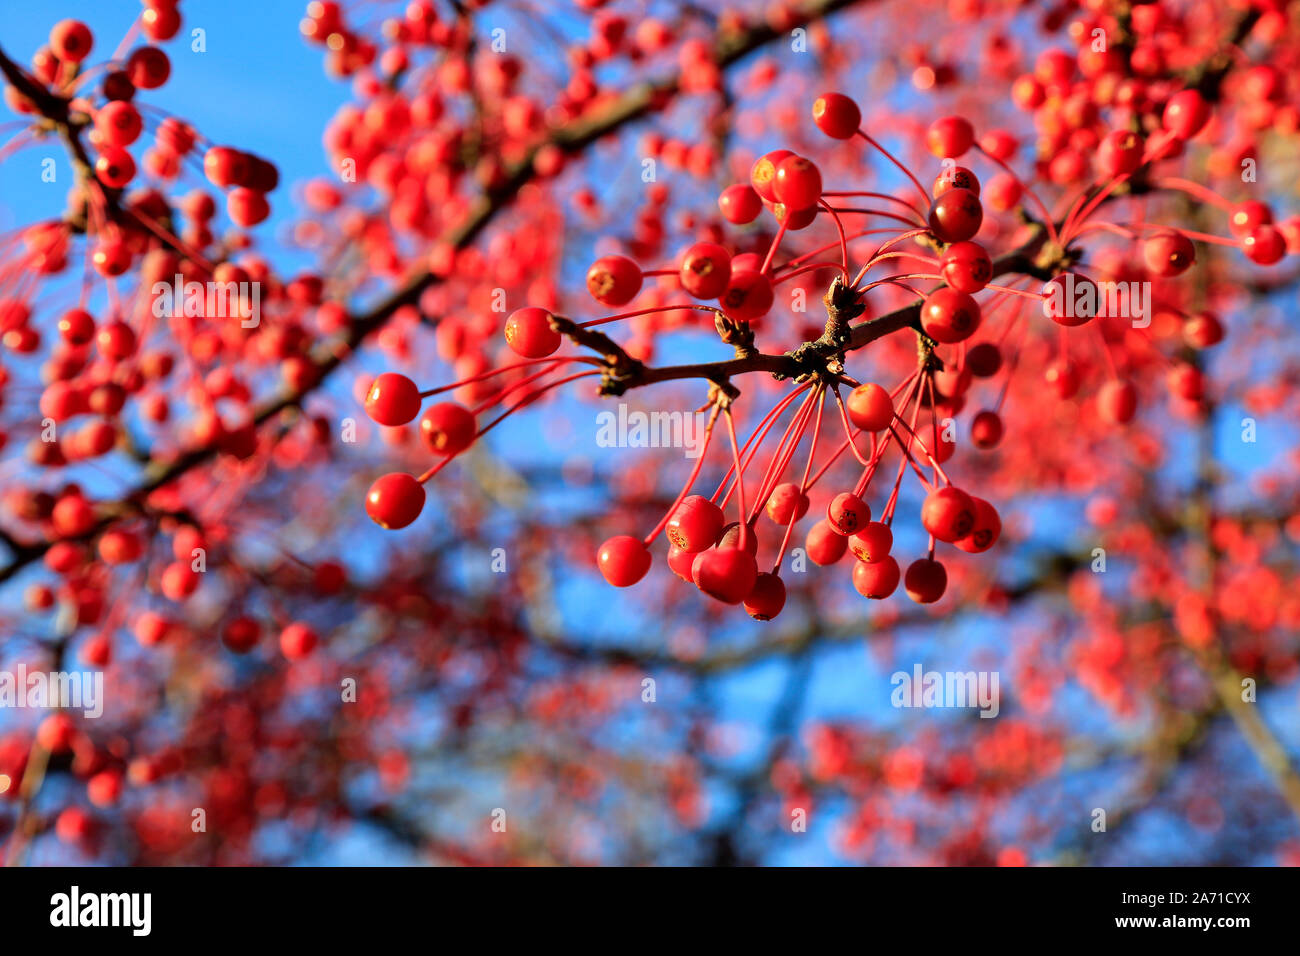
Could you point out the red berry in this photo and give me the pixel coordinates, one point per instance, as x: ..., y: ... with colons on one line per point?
x: 1071, y: 299
x: 1062, y: 377
x: 77, y: 327
x: 763, y: 175
x: 739, y: 204
x: 876, y: 579
x: 1168, y: 253
x: 846, y: 513
x: 950, y: 137
x: 926, y: 580
x: 948, y: 513
x: 798, y: 183
x: 1264, y: 246
x: 529, y: 333
x: 870, y: 407
x: 623, y: 560
x: 392, y: 399
x: 225, y: 166
x: 966, y: 266
x: 118, y: 123
x: 955, y: 177
x: 836, y: 115
x: 447, y: 428
x: 1186, y: 382
x: 956, y: 215
x: 298, y: 640
x: 1117, y: 402
x: 984, y: 360
x: 241, y: 635
x: 787, y: 503
x: 706, y: 270
x: 949, y: 316
x: 766, y: 599
x: 824, y: 544
x: 730, y: 538
x: 749, y: 296
x: 727, y: 574
x: 395, y: 500
x: 873, y: 542
x: 695, y: 524
x: 1186, y: 114
x: 247, y: 207
x: 148, y: 68
x: 1203, y: 331
x: 1120, y: 153
x: 1248, y: 216
x: 986, y: 429
x: 985, y: 532
x: 114, y: 167
x: 614, y: 280
x: 71, y: 40
x: 679, y: 562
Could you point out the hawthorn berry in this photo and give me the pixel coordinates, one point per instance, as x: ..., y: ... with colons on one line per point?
x: 925, y: 581
x: 448, y: 428
x: 392, y: 399
x: 966, y: 266
x: 114, y: 167
x: 71, y: 40
x: 955, y: 177
x: 241, y: 634
x: 614, y: 280
x: 870, y: 407
x: 948, y: 513
x: 77, y: 327
x: 1120, y: 153
x: 1168, y: 253
x: 872, y: 542
x: 766, y: 598
x: 786, y: 503
x: 949, y: 316
x: 956, y: 215
x: 836, y: 115
x: 876, y: 579
x: 148, y: 68
x: 1071, y: 299
x: 847, y: 513
x: 725, y: 573
x: 1117, y: 402
x: 798, y: 183
x: 984, y: 532
x: 1264, y: 246
x: 950, y: 137
x: 1203, y: 330
x: 706, y: 270
x: 118, y: 123
x: 225, y: 166
x: 247, y: 207
x: 749, y: 296
x: 529, y: 333
x: 763, y: 174
x: 824, y: 544
x: 986, y: 429
x: 623, y: 560
x: 695, y: 524
x: 395, y: 500
x: 1186, y: 114
x: 298, y: 640
x: 740, y: 204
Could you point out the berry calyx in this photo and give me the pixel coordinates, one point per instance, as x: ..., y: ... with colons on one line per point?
x: 614, y: 280
x: 873, y: 542
x: 847, y: 513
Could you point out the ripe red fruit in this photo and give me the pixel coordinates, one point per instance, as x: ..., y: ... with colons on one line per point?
x: 695, y: 524
x: 706, y: 270
x: 1117, y: 402
x: 966, y: 266
x: 148, y: 68
x: 949, y: 316
x: 836, y: 115
x: 876, y: 579
x: 679, y: 562
x: 114, y: 167
x: 766, y: 599
x: 1248, y: 216
x: 614, y: 280
x: 77, y: 327
x: 1186, y: 382
x: 749, y: 296
x: 870, y: 407
x: 392, y: 399
x: 730, y: 537
x: 1071, y: 299
x: 179, y: 580
x: 118, y: 123
x: 529, y: 333
x: 847, y: 513
x: 241, y: 634
x: 739, y: 204
x: 1062, y: 377
x: 873, y: 542
x: 1120, y: 153
x: 1168, y: 253
x: 948, y: 513
x: 447, y: 428
x: 247, y: 207
x: 955, y: 177
x: 956, y: 215
x: 763, y: 174
x: 1203, y: 330
x: 824, y: 544
x: 727, y: 574
x: 104, y: 788
x: 926, y: 580
x: 950, y: 137
x: 1186, y: 114
x: 225, y: 166
x: 71, y: 40
x: 298, y: 640
x: 985, y: 532
x: 1264, y: 246
x: 798, y: 183
x: 623, y: 560
x: 787, y: 502
x: 395, y: 500
x: 986, y: 429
